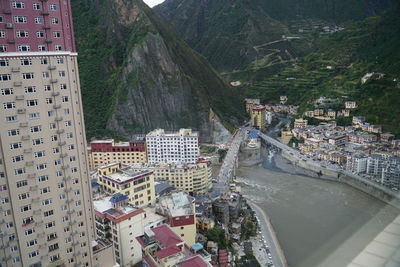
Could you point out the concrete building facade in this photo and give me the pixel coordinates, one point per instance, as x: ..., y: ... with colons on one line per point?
x: 176, y: 147
x: 257, y: 115
x: 47, y: 214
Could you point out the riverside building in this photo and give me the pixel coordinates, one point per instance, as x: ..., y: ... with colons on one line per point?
x: 257, y: 114
x: 174, y: 147
x: 46, y: 208
x: 103, y: 152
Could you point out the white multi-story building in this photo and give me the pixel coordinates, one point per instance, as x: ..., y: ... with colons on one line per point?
x: 178, y: 147
x: 357, y: 163
x: 375, y: 165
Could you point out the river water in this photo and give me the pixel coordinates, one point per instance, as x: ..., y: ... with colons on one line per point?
x: 315, y: 220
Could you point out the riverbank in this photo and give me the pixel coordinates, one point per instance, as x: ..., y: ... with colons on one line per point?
x: 268, y: 233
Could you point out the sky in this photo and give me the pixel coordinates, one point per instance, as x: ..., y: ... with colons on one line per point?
x: 152, y: 3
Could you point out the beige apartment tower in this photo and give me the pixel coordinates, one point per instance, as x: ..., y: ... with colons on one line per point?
x: 45, y: 200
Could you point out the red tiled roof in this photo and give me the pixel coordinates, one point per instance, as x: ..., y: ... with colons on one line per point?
x: 166, y: 236
x: 196, y: 261
x: 161, y: 254
x: 149, y: 261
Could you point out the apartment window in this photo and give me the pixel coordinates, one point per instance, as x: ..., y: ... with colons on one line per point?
x: 39, y: 154
x: 50, y: 224
x: 71, y: 147
x: 41, y: 47
x: 57, y: 35
x: 57, y: 162
x: 13, y: 132
x: 72, y: 158
x: 47, y: 88
x: 74, y: 170
x: 52, y: 126
x: 18, y: 4
x: 38, y: 20
x: 4, y: 62
x: 34, y: 116
x: 68, y: 123
x: 23, y: 196
x: 54, y: 138
x: 47, y: 202
x: 61, y: 73
x: 68, y: 239
x: 41, y: 166
x: 43, y: 178
x: 50, y: 113
x: 69, y: 135
x: 65, y: 219
x: 64, y: 207
x: 43, y: 61
x: 17, y: 158
x: 32, y: 102
x: 58, y: 47
x: 30, y: 231
x: 27, y: 220
x: 22, y: 183
x: 20, y: 19
x: 30, y: 89
x: 37, y: 141
x: 11, y: 118
x: 5, y: 77
x: 36, y: 128
x: 60, y: 185
x: 54, y: 20
x: 63, y: 86
x: 26, y: 208
x: 40, y: 34
x: 62, y: 196
x: 9, y: 105
x: 45, y: 190
x: 36, y: 6
x: 22, y: 34
x: 75, y: 181
x: 24, y: 48
x: 65, y: 99
x: 78, y: 203
x: 15, y: 145
x: 66, y: 111
x: 7, y: 91
x: 28, y: 76
x: 2, y: 34
x: 45, y: 74
x: 56, y: 150
x: 33, y: 254
x: 53, y: 7
x: 59, y: 174
x: 77, y: 192
x: 3, y: 48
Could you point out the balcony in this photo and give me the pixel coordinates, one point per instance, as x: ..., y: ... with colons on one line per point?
x: 19, y: 83
x: 63, y: 155
x: 53, y: 81
x: 55, y: 93
x: 58, y: 119
x: 44, y: 13
x: 11, y: 41
x: 57, y: 106
x: 66, y: 178
x: 25, y: 137
x: 46, y: 27
x: 67, y: 190
x: 21, y: 111
x: 23, y: 124
x: 31, y: 175
x: 48, y: 41
x: 35, y: 199
x: 39, y: 223
x: 28, y: 150
x: 51, y: 67
x: 72, y: 223
x: 20, y: 97
x: 70, y: 212
x: 33, y: 187
x: 64, y: 167
x: 9, y: 26
x: 15, y: 69
x: 37, y: 212
x: 7, y: 11
x: 76, y: 254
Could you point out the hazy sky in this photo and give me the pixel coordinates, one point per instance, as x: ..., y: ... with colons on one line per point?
x: 152, y: 3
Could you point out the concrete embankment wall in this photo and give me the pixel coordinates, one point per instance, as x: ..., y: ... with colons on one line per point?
x: 250, y: 156
x: 333, y: 175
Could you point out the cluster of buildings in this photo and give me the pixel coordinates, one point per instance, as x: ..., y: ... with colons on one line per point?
x: 361, y: 148
x: 331, y: 114
x: 261, y: 115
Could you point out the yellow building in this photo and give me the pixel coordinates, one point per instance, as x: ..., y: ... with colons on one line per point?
x: 250, y: 102
x: 258, y: 117
x: 137, y: 185
x: 179, y: 208
x: 286, y: 136
x: 300, y: 123
x: 192, y: 178
x: 103, y: 152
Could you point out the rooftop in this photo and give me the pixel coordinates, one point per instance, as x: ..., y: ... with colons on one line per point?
x: 176, y: 204
x: 162, y: 132
x: 195, y: 261
x: 127, y: 174
x: 105, y: 206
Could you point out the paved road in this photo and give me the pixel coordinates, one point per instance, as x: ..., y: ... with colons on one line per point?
x: 221, y: 187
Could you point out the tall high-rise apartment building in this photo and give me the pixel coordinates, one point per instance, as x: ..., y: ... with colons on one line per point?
x: 178, y: 147
x: 46, y: 210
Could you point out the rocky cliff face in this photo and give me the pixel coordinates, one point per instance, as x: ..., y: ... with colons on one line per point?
x: 138, y: 75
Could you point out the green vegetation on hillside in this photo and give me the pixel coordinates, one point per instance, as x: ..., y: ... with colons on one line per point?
x: 336, y: 67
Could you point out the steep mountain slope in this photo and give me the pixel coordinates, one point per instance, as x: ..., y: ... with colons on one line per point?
x: 233, y: 33
x: 136, y: 74
x: 336, y: 67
